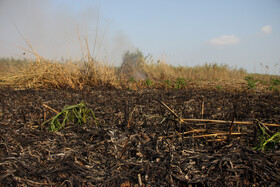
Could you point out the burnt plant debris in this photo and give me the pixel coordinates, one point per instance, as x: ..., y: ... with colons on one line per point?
x: 149, y: 137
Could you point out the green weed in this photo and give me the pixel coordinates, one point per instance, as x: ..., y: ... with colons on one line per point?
x: 267, y: 141
x: 76, y: 114
x: 148, y: 82
x: 132, y: 79
x: 180, y: 83
x: 274, y: 88
x: 251, y: 82
x: 219, y: 87
x: 167, y: 83
x: 275, y: 82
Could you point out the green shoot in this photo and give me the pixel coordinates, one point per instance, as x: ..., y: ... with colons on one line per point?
x: 266, y: 141
x: 180, y: 83
x: 76, y: 114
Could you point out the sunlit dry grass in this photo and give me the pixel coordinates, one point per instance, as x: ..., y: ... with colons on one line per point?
x: 206, y: 72
x: 51, y: 74
x: 46, y: 74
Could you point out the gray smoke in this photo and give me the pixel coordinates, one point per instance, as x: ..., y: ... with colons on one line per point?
x: 52, y: 30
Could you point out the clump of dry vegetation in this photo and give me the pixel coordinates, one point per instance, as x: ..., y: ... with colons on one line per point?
x: 51, y: 74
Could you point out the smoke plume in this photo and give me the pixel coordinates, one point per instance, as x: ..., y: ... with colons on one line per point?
x: 52, y: 29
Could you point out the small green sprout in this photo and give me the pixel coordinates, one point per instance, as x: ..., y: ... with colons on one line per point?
x: 251, y: 82
x: 77, y: 114
x: 180, y: 83
x: 267, y: 141
x: 219, y: 87
x: 148, y: 82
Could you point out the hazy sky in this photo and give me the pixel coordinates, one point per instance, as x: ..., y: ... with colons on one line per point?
x: 242, y: 33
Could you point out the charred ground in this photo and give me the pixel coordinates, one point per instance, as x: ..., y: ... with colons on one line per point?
x: 151, y: 150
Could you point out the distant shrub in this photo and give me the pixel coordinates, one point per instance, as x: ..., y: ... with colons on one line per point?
x: 167, y: 83
x: 219, y: 87
x: 148, y: 82
x: 180, y: 83
x: 251, y: 82
x: 274, y: 88
x: 275, y: 82
x: 132, y: 79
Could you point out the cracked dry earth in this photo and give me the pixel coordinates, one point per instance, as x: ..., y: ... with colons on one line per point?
x: 139, y: 141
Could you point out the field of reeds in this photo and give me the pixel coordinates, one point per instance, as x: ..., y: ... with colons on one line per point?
x: 135, y: 72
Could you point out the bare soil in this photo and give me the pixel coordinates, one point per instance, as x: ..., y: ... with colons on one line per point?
x: 139, y: 141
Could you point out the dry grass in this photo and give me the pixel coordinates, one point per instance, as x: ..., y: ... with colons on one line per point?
x: 207, y: 72
x: 46, y: 74
x: 50, y: 74
x: 264, y: 78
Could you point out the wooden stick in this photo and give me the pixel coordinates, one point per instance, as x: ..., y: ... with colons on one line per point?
x: 217, y: 140
x: 50, y: 108
x: 179, y: 119
x: 170, y: 110
x: 140, y: 180
x: 214, y: 121
x: 125, y: 145
x: 45, y: 115
x: 230, y: 129
x: 202, y: 108
x: 232, y: 122
x: 235, y: 122
x: 130, y: 117
x: 188, y: 132
x: 216, y: 134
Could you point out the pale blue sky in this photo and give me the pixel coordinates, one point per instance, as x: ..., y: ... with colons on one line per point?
x: 242, y: 33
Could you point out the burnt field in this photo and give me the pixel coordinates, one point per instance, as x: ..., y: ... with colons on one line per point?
x: 145, y: 137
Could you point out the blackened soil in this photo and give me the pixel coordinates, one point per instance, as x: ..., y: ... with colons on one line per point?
x: 139, y: 141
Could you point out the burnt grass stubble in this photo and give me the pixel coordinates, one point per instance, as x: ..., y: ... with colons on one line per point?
x: 114, y: 155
